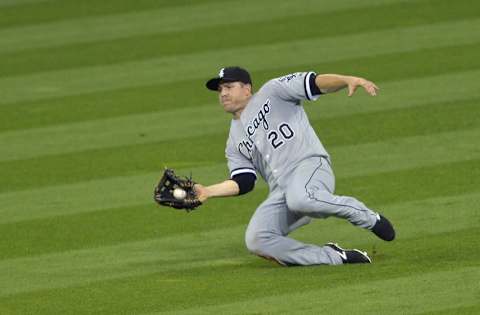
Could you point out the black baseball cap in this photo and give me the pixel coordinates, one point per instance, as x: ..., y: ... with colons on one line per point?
x: 229, y: 74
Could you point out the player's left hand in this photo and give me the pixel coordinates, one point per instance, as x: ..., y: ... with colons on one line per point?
x: 369, y: 86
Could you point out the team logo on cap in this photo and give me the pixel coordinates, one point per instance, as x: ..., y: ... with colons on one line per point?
x: 221, y: 73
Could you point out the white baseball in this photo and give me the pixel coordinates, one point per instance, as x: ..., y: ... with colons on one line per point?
x: 179, y: 193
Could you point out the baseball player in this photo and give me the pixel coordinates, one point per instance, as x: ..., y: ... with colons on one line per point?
x: 270, y: 135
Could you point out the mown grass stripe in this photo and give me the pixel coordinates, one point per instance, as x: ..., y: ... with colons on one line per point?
x: 464, y: 310
x: 113, y: 133
x: 421, y: 120
x: 76, y: 267
x: 405, y: 153
x: 143, y: 100
x: 15, y: 13
x: 421, y: 291
x: 14, y: 3
x: 137, y: 190
x: 267, y: 31
x: 161, y: 20
x: 258, y: 57
x: 164, y: 125
x: 443, y: 179
x: 440, y: 124
x: 118, y: 225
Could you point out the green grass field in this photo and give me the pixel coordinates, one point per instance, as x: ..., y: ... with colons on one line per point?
x: 96, y: 97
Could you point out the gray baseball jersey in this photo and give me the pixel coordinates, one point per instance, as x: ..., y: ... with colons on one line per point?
x: 274, y: 138
x: 273, y: 134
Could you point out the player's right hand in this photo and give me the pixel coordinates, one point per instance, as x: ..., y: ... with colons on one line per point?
x: 370, y: 87
x: 201, y: 191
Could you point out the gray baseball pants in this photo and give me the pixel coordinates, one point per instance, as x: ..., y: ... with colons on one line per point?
x: 309, y: 194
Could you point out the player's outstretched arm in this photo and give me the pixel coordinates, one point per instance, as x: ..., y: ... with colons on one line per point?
x: 329, y: 83
x: 224, y: 189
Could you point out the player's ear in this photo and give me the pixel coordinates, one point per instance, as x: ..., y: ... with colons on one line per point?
x: 249, y: 87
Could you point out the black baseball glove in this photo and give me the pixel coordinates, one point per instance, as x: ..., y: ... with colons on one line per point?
x: 164, y: 192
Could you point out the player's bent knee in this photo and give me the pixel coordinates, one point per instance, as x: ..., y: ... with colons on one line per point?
x: 312, y: 201
x: 321, y: 196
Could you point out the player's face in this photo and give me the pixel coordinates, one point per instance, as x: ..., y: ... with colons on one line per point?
x: 234, y: 96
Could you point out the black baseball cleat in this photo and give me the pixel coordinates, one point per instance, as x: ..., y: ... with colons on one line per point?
x: 383, y: 228
x: 350, y: 256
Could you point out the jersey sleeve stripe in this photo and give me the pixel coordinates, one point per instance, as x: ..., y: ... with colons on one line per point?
x: 242, y: 170
x: 306, y: 86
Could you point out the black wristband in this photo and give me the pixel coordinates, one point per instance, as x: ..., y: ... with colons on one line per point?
x: 245, y: 181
